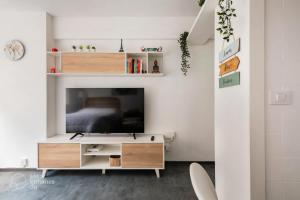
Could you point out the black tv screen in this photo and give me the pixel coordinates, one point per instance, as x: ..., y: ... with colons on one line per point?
x: 105, y: 110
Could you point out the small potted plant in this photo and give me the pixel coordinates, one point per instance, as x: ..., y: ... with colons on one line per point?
x: 94, y: 48
x: 81, y: 48
x: 74, y: 48
x: 88, y: 47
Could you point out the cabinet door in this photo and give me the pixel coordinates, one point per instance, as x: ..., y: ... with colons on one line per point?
x: 59, y: 155
x: 142, y: 156
x: 112, y: 63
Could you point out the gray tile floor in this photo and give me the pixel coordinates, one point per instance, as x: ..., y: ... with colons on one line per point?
x: 91, y: 185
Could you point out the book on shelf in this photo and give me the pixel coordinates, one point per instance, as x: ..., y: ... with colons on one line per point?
x: 134, y: 66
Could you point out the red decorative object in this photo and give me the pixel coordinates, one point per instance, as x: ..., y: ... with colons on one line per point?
x: 53, y: 69
x: 54, y: 50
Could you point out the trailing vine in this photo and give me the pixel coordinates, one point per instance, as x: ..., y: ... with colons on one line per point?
x: 225, y: 14
x: 185, y: 64
x: 201, y: 2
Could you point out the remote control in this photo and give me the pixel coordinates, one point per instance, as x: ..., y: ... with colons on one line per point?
x: 152, y: 138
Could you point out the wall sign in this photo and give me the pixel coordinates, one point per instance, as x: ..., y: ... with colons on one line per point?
x: 229, y: 66
x: 229, y: 51
x: 230, y: 80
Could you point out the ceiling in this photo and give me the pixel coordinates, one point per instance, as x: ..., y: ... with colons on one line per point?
x: 106, y: 8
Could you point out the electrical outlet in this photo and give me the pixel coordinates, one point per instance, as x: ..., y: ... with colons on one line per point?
x: 170, y: 136
x: 24, y: 162
x: 168, y: 147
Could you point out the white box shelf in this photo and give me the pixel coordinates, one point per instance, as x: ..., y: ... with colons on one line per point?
x: 98, y: 162
x: 106, y: 151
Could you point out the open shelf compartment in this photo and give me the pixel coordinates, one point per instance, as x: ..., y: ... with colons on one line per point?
x: 143, y: 57
x: 158, y: 56
x: 96, y: 162
x: 100, y: 159
x: 107, y: 150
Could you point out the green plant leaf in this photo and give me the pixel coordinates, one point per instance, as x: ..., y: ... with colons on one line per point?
x: 185, y: 54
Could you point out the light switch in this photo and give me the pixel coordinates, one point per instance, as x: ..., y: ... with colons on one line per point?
x: 280, y: 97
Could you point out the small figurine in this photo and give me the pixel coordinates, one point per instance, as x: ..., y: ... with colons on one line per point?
x: 52, y: 69
x: 74, y: 48
x: 121, y: 48
x: 151, y: 49
x: 54, y: 50
x: 155, y: 67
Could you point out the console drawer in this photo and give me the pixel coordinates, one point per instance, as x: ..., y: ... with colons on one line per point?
x: 59, y: 155
x: 142, y: 156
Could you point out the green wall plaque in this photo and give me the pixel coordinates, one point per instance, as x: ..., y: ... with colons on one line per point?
x: 230, y: 80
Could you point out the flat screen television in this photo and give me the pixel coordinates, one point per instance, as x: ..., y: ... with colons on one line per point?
x: 105, y: 110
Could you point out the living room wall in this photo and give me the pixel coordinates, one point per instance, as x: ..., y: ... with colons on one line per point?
x: 282, y: 127
x: 173, y: 102
x: 23, y: 88
x: 239, y: 109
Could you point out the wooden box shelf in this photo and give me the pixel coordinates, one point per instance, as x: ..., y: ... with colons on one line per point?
x: 112, y: 63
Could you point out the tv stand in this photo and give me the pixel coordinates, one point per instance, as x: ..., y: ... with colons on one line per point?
x: 61, y: 153
x: 75, y: 135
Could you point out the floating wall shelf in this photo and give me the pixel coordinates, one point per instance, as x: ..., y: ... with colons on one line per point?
x: 203, y: 26
x: 104, y: 75
x: 103, y: 64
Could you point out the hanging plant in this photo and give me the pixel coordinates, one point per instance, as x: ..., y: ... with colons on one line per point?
x: 201, y: 2
x: 225, y: 14
x: 185, y: 64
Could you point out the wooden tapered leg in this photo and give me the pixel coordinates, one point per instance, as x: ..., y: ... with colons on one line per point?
x: 157, y: 173
x: 44, y: 173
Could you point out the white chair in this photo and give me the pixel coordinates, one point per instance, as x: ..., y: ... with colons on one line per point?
x: 202, y: 184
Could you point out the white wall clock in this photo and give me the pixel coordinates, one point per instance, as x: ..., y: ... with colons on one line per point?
x: 14, y: 50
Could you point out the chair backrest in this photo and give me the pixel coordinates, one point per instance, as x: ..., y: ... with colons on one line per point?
x: 201, y: 182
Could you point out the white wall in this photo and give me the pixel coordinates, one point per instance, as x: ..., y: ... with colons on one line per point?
x: 173, y: 102
x: 23, y: 88
x: 257, y: 100
x: 239, y: 115
x: 232, y: 122
x: 124, y: 27
x: 282, y: 74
